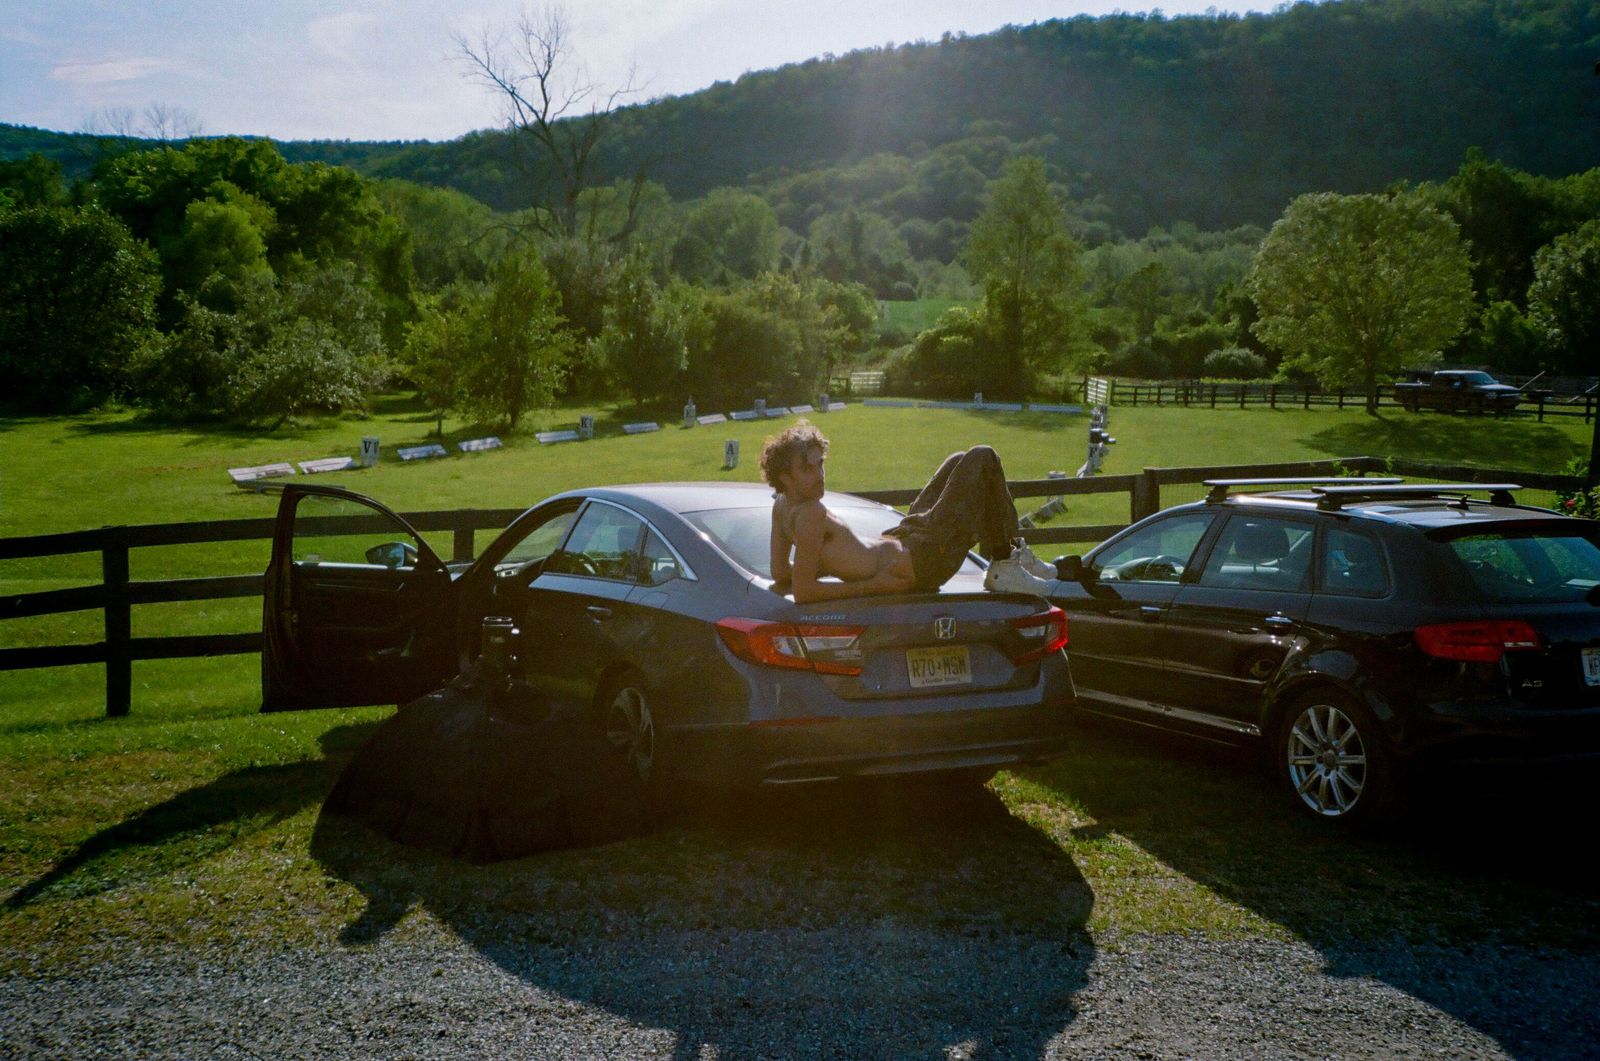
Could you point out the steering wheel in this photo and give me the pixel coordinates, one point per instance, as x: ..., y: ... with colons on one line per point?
x: 1149, y: 568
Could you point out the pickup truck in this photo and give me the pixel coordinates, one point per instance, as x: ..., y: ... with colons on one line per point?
x: 1457, y: 390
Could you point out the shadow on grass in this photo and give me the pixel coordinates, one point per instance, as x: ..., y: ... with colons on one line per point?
x: 195, y: 823
x: 1457, y: 903
x: 1492, y: 442
x: 806, y: 908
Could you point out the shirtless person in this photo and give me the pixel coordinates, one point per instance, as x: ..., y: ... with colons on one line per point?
x: 965, y: 502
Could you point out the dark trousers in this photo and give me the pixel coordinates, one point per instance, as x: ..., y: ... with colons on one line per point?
x: 965, y: 502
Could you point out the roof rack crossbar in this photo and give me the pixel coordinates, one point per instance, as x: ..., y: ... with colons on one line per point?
x: 1335, y: 496
x: 1219, y: 487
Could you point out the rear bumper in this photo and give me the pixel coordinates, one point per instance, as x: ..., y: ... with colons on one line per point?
x: 1504, y: 735
x: 825, y: 750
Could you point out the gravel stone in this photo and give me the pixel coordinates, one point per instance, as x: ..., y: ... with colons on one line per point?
x: 879, y: 992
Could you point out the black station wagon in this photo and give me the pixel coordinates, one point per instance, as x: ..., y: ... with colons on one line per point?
x: 1355, y: 628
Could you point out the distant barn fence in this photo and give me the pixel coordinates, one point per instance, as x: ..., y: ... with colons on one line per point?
x: 116, y: 595
x: 1191, y: 393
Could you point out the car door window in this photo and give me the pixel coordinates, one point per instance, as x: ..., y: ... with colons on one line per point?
x: 1353, y: 564
x: 343, y: 532
x: 604, y: 544
x: 1260, y: 552
x: 1159, y: 552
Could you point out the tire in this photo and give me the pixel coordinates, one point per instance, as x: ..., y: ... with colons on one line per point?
x: 1330, y: 759
x: 628, y: 725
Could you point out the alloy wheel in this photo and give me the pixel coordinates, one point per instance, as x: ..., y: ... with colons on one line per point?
x: 1327, y: 760
x: 631, y: 730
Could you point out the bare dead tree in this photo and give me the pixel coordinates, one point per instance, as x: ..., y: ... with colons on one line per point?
x: 556, y: 117
x: 168, y: 121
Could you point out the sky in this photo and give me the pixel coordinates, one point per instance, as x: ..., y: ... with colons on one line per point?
x: 393, y: 70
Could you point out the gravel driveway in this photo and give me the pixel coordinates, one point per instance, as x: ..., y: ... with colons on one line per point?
x: 883, y: 991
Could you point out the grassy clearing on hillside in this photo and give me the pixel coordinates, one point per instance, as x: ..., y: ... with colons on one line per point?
x: 196, y: 820
x: 918, y: 315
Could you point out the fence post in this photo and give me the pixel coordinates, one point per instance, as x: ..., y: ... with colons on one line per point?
x: 461, y: 544
x: 1145, y: 497
x: 118, y: 623
x: 1272, y: 395
x: 1540, y: 399
x: 1241, y: 394
x: 1341, y: 397
x: 1213, y: 396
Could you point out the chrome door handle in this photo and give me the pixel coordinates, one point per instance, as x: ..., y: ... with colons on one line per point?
x: 598, y: 613
x: 1149, y: 613
x: 1279, y: 620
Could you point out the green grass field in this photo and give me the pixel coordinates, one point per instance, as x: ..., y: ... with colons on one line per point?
x: 196, y: 819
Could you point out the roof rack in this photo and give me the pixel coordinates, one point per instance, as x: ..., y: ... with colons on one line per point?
x: 1219, y: 487
x: 1336, y: 496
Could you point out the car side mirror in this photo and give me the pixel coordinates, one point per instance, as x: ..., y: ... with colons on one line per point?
x: 393, y: 555
x: 1071, y: 569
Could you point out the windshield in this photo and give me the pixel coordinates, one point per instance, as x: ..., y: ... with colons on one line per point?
x: 1546, y: 566
x: 745, y: 534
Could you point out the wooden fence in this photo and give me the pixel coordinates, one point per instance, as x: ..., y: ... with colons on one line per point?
x: 116, y: 595
x: 1198, y: 393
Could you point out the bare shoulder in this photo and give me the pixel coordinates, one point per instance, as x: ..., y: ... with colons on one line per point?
x: 807, y: 517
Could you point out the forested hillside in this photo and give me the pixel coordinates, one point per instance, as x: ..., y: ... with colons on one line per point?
x: 1219, y: 121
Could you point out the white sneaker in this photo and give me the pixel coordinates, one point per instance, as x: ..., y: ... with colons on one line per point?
x: 1008, y: 576
x: 1032, y: 564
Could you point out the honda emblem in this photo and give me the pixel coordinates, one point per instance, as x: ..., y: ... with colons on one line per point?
x: 944, y: 627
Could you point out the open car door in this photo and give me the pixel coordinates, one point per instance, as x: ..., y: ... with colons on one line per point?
x: 356, y: 610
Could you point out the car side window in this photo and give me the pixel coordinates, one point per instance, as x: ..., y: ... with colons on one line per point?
x: 604, y: 544
x: 540, y: 541
x: 1157, y: 553
x: 1260, y: 552
x: 1353, y: 564
x: 658, y: 564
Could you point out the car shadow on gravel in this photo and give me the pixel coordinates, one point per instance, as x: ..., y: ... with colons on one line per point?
x: 910, y: 920
x: 1478, y: 900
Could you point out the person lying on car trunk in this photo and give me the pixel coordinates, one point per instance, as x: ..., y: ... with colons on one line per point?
x: 966, y: 502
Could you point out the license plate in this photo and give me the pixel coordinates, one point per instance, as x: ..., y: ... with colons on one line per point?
x: 1591, y: 666
x: 933, y: 667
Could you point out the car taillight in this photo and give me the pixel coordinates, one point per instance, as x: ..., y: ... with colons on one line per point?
x: 1478, y: 641
x: 798, y: 646
x: 1043, y: 634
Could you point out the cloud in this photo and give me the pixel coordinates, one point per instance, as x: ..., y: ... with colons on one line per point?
x: 83, y: 72
x: 341, y: 36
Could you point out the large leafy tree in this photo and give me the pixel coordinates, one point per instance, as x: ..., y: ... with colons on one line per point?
x: 729, y: 235
x: 77, y: 304
x: 516, y: 344
x: 1354, y: 287
x: 642, y: 340
x: 1022, y: 256
x: 1564, y: 299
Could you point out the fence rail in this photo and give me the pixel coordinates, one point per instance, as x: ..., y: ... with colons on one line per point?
x: 116, y: 595
x: 1202, y: 394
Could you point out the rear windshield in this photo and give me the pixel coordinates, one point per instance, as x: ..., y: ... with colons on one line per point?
x: 746, y: 533
x: 1544, y: 565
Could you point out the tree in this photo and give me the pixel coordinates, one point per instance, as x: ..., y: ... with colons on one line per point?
x: 1564, y: 299
x: 729, y: 235
x: 1021, y: 255
x: 556, y: 118
x: 643, y: 337
x: 436, y: 351
x: 77, y: 304
x: 1354, y: 286
x: 516, y: 342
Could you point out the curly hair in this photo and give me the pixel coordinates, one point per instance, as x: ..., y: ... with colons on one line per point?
x: 779, y: 451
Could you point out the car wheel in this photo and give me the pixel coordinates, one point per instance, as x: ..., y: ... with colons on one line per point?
x: 1332, y: 759
x: 629, y: 726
